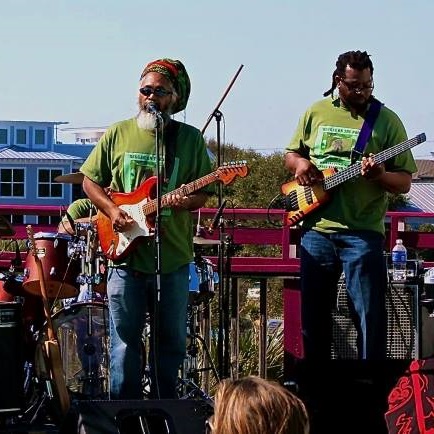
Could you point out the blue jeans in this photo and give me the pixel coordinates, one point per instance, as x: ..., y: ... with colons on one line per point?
x: 130, y: 296
x: 359, y: 254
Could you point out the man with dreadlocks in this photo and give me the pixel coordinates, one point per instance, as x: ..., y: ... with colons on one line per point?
x: 346, y: 234
x: 123, y: 159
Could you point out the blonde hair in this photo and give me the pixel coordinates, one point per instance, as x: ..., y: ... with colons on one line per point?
x: 252, y: 405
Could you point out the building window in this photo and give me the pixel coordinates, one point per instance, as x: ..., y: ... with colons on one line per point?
x: 47, y: 187
x: 48, y: 220
x: 12, y: 182
x: 39, y: 137
x: 17, y: 219
x: 21, y: 137
x: 3, y: 136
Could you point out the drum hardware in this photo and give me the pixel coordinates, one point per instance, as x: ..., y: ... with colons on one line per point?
x: 89, y: 382
x: 191, y: 371
x: 82, y: 331
x: 202, y: 280
x: 86, y: 249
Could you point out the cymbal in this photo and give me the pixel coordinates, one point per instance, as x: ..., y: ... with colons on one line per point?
x: 6, y: 230
x: 70, y: 178
x: 205, y: 241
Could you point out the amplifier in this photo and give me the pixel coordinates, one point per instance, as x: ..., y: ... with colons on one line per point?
x: 402, y: 324
x: 11, y: 357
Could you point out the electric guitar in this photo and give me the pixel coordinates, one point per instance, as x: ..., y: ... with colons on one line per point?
x: 51, y: 345
x: 302, y: 200
x: 140, y: 205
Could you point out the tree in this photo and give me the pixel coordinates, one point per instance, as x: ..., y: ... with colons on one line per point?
x: 267, y: 173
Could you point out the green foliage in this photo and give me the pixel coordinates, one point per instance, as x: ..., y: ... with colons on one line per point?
x: 397, y: 201
x: 425, y: 254
x: 9, y: 245
x: 249, y: 352
x: 267, y: 173
x: 426, y: 227
x: 249, y: 316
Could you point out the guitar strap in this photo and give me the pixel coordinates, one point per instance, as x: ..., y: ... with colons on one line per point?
x: 366, y: 130
x: 171, y: 134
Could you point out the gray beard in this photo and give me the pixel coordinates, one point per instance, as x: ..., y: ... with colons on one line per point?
x: 146, y: 121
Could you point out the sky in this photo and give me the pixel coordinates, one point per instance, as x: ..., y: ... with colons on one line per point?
x: 79, y: 61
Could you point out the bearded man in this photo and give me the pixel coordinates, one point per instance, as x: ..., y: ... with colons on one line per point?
x: 124, y: 158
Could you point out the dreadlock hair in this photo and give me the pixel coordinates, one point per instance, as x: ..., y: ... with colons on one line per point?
x: 355, y: 59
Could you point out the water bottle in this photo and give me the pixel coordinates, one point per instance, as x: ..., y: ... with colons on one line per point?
x: 399, y: 261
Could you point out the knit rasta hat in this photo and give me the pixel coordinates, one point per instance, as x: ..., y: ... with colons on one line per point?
x: 175, y: 71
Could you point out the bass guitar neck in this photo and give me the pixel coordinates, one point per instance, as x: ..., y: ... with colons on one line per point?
x: 303, y: 200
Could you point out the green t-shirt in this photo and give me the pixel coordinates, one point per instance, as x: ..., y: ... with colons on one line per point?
x: 326, y: 134
x: 125, y: 157
x: 81, y: 208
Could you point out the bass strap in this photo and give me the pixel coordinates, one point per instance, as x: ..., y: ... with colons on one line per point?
x: 366, y: 130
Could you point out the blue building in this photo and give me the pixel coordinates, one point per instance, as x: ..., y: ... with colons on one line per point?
x: 32, y: 157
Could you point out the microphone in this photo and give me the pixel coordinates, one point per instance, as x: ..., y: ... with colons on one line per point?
x: 215, y: 221
x: 153, y: 108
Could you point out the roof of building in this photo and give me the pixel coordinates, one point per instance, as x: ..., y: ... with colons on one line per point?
x: 421, y: 195
x: 13, y: 153
x: 33, y: 122
x: 425, y: 170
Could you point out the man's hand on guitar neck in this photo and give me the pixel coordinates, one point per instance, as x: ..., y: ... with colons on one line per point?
x: 393, y: 182
x: 190, y: 202
x: 370, y: 169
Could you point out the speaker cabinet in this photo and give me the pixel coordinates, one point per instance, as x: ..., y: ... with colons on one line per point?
x: 402, y: 324
x: 11, y: 357
x: 150, y: 416
x: 427, y: 332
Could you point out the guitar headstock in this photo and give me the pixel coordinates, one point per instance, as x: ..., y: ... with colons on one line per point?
x: 229, y: 171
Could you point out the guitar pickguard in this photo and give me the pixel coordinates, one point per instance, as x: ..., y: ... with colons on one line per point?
x: 140, y: 227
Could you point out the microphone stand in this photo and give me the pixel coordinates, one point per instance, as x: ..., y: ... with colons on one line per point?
x: 223, y: 296
x: 157, y: 249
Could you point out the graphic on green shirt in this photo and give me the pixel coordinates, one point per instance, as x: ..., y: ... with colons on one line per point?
x: 329, y: 142
x: 136, y: 164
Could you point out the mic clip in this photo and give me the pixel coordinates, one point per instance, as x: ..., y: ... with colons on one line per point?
x: 216, y: 222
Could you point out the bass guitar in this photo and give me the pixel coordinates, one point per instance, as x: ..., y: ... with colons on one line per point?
x: 302, y: 200
x: 140, y: 205
x: 51, y: 345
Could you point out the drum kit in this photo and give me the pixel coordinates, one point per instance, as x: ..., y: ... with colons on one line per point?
x: 75, y: 283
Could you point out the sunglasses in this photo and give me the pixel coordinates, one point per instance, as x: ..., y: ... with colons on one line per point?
x: 358, y: 88
x: 158, y: 91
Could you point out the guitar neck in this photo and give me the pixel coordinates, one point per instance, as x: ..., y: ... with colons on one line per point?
x: 151, y: 206
x: 354, y: 170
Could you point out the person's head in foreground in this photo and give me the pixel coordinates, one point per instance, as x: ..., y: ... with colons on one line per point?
x: 252, y: 405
